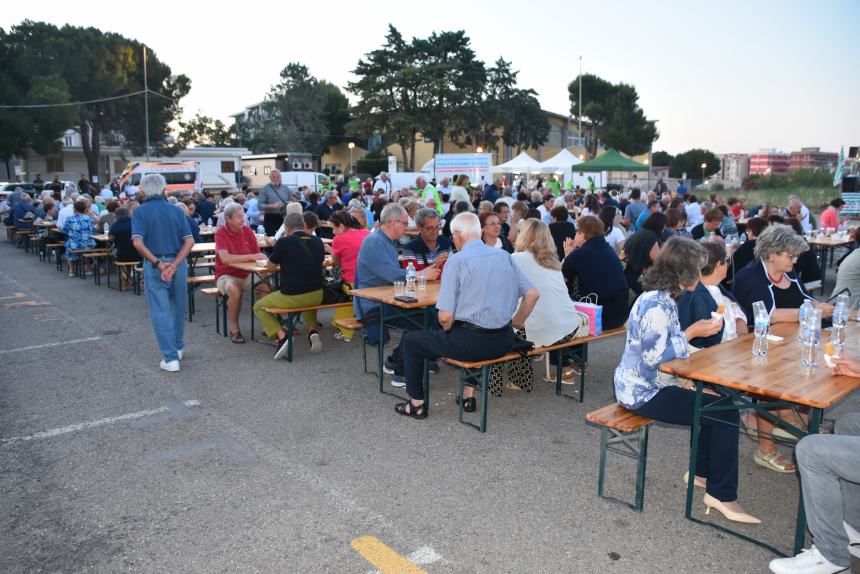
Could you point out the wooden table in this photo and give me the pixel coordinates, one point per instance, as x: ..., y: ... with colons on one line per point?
x: 778, y: 380
x: 394, y: 309
x: 827, y: 245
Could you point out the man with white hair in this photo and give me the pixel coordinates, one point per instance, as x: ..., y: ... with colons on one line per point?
x: 427, y: 191
x: 796, y: 210
x: 161, y: 235
x: 445, y: 186
x: 234, y: 243
x: 477, y: 323
x: 382, y: 185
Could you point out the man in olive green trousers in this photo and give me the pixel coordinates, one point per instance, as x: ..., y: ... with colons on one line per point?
x: 300, y: 256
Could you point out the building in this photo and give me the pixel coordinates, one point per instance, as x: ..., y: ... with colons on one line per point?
x: 734, y: 167
x: 812, y: 158
x: 768, y: 161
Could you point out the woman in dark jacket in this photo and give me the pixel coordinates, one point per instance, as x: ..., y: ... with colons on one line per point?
x: 561, y: 228
x: 591, y: 266
x: 770, y: 277
x: 641, y: 249
x: 491, y: 229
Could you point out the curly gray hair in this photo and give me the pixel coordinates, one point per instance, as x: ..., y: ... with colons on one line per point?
x: 779, y: 238
x: 678, y: 267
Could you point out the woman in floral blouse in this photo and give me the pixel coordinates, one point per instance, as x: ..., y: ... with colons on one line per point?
x: 654, y: 336
x: 79, y: 229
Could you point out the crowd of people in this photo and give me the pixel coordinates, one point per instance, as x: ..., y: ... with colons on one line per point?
x: 513, y: 262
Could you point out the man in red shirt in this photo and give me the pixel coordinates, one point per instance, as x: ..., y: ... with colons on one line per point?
x: 234, y: 243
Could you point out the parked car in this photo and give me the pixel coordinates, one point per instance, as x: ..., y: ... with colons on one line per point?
x: 10, y: 187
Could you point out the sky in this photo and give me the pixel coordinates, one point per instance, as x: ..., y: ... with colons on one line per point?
x: 728, y: 76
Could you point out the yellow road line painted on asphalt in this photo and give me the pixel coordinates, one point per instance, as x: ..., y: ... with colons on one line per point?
x: 384, y: 558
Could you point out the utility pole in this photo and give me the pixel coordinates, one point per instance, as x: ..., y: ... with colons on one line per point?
x: 579, y: 115
x: 146, y: 102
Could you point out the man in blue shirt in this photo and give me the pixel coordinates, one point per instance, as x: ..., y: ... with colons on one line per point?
x: 652, y: 207
x: 161, y: 235
x: 634, y: 209
x: 681, y: 190
x: 205, y: 208
x: 477, y: 322
x: 377, y: 265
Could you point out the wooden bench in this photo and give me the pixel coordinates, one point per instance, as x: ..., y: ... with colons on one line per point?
x: 125, y: 267
x: 476, y: 374
x: 354, y: 324
x: 292, y: 316
x: 56, y: 249
x: 22, y: 238
x: 79, y: 269
x: 626, y: 433
x: 220, y: 309
x: 193, y: 282
x: 97, y: 257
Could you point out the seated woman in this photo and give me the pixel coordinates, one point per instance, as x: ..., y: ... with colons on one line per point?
x: 614, y: 234
x: 641, y: 249
x: 79, y: 229
x: 561, y: 228
x: 591, y: 266
x: 676, y: 224
x: 654, y: 336
x: 770, y: 277
x: 807, y: 268
x: 491, y: 231
x: 348, y: 235
x: 554, y: 319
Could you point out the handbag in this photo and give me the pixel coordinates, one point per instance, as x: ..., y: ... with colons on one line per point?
x: 521, y: 345
x: 589, y: 306
x: 333, y: 293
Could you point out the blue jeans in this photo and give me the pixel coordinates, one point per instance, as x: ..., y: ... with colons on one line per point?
x: 167, y: 308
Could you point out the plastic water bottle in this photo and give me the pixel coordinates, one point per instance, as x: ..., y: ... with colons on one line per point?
x: 803, y: 315
x: 811, y: 339
x: 761, y: 325
x: 410, y: 280
x: 743, y: 238
x: 209, y: 222
x: 107, y: 229
x: 261, y: 230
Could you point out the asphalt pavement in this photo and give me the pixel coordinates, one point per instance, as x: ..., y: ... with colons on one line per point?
x: 239, y: 463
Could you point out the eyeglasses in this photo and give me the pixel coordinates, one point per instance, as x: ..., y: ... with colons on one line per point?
x: 406, y: 222
x: 430, y: 227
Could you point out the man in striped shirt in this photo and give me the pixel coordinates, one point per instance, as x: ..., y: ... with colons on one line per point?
x: 477, y: 322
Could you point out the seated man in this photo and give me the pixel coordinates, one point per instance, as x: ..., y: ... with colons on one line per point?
x: 24, y: 213
x: 709, y: 227
x: 120, y: 237
x: 234, y: 243
x: 377, y: 265
x: 429, y: 248
x: 477, y: 322
x: 830, y: 480
x: 300, y: 256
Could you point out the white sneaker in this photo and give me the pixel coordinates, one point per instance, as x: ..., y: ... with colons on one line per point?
x: 179, y: 352
x: 398, y: 381
x: 316, y: 342
x: 807, y: 562
x: 171, y: 366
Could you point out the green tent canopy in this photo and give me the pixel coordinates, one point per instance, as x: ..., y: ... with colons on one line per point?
x: 611, y: 160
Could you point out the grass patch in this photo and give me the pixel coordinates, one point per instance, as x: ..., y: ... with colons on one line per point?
x: 815, y: 198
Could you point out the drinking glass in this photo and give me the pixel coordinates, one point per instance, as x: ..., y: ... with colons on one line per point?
x: 422, y: 282
x: 399, y: 288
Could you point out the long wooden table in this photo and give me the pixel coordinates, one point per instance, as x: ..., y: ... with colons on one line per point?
x: 394, y: 309
x: 778, y: 381
x: 827, y: 246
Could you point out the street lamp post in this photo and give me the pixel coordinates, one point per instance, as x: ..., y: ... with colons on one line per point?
x: 704, y: 165
x: 351, y: 147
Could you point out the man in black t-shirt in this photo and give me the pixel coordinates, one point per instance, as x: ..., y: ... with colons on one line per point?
x: 301, y: 259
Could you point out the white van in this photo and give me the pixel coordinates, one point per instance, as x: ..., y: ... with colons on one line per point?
x: 297, y: 179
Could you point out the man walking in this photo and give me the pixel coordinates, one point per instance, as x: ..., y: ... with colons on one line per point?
x: 161, y: 235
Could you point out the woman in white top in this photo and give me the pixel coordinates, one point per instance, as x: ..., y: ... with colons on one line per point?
x: 615, y: 236
x: 554, y: 319
x: 592, y: 206
x: 458, y: 192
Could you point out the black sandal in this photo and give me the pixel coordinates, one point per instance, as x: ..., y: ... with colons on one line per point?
x: 237, y: 337
x: 410, y: 410
x: 470, y: 405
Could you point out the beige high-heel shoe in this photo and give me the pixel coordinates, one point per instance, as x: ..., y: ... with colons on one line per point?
x: 711, y: 502
x: 699, y: 482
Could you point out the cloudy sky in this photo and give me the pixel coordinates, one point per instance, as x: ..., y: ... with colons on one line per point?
x: 730, y: 76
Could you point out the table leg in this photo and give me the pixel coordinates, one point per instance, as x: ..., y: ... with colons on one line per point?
x: 824, y: 252
x: 694, y: 449
x: 380, y: 348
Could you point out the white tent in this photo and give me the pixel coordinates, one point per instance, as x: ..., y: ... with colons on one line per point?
x: 521, y: 163
x: 563, y: 162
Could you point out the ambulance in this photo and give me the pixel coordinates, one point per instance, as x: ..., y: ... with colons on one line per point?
x: 180, y: 176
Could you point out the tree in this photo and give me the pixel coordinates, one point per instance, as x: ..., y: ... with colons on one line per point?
x: 336, y: 112
x: 690, y: 162
x: 613, y: 115
x: 524, y: 124
x: 204, y: 131
x: 388, y: 89
x: 662, y: 159
x: 96, y: 65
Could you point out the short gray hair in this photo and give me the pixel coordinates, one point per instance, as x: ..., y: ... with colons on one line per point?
x: 424, y: 214
x: 779, y: 238
x: 121, y: 212
x: 294, y: 207
x: 391, y: 212
x: 467, y: 225
x: 420, y: 178
x: 232, y: 208
x: 293, y: 221
x: 678, y: 267
x: 329, y: 194
x: 153, y: 184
